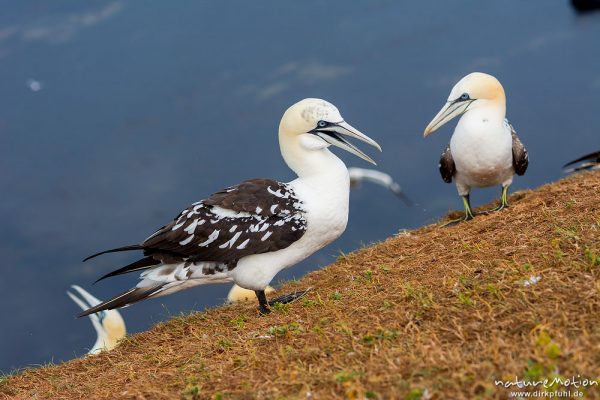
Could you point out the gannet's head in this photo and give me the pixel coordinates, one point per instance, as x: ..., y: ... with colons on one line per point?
x: 237, y: 294
x: 109, y: 325
x: 474, y: 90
x: 314, y: 125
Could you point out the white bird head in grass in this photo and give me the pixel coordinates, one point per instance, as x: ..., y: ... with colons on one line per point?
x: 109, y: 325
x: 238, y: 294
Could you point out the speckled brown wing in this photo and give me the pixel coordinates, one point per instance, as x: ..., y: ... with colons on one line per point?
x: 447, y: 167
x: 256, y: 216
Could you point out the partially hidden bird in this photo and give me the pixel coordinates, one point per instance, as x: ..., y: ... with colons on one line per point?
x: 109, y: 325
x: 239, y: 294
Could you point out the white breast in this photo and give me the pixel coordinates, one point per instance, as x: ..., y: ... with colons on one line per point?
x: 482, y: 150
x: 325, y: 199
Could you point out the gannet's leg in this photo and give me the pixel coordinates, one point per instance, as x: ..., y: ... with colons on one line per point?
x: 503, y: 200
x: 468, y: 212
x: 263, y: 306
x: 290, y: 297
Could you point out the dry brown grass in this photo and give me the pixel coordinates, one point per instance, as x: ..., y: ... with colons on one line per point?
x: 435, y: 311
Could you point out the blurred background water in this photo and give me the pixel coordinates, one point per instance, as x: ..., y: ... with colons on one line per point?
x: 116, y: 115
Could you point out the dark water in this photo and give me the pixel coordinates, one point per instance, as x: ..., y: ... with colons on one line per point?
x: 114, y: 116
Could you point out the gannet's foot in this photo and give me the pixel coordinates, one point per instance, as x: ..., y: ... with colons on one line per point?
x: 262, y: 310
x: 499, y: 208
x: 503, y: 202
x: 289, y: 297
x: 466, y: 218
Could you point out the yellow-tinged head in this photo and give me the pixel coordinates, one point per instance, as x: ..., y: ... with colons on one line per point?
x: 114, y: 327
x: 109, y: 324
x: 310, y: 126
x: 473, y: 91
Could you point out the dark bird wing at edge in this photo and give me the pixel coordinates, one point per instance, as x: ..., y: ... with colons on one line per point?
x: 593, y: 158
x: 256, y: 216
x: 447, y: 167
x: 520, y: 156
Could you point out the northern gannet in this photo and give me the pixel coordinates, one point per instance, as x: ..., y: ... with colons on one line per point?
x: 590, y: 162
x: 109, y: 325
x: 249, y: 232
x: 484, y: 149
x: 357, y: 175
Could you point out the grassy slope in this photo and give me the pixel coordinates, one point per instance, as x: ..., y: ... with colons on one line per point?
x: 436, y: 309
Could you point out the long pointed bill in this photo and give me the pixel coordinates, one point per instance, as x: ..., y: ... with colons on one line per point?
x: 92, y: 301
x: 334, y: 135
x: 86, y: 303
x: 451, y: 109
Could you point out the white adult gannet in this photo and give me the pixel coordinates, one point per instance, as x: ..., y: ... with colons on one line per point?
x: 484, y: 149
x: 109, y: 325
x: 358, y: 175
x: 589, y: 162
x: 249, y: 232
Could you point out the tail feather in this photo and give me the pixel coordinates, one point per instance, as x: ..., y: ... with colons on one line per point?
x: 124, y: 248
x: 124, y: 299
x: 139, y: 265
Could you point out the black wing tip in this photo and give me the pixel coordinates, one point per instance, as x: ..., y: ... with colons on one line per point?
x: 103, y: 277
x: 90, y: 257
x: 588, y: 157
x: 131, y: 296
x: 83, y: 314
x: 139, y: 265
x: 115, y: 250
x: 93, y: 310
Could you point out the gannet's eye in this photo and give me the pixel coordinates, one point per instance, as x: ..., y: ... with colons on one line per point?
x: 464, y: 97
x: 101, y: 316
x: 321, y: 124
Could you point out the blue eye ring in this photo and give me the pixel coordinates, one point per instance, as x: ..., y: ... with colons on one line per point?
x: 464, y: 97
x: 101, y: 316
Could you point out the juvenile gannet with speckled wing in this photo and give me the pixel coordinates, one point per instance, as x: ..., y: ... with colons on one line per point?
x: 109, y: 325
x: 249, y: 232
x: 484, y: 149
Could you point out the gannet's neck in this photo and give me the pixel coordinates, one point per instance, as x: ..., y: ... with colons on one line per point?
x: 109, y: 331
x: 105, y: 341
x: 102, y: 343
x: 314, y: 164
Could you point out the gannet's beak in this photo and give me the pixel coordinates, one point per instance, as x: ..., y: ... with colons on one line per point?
x: 86, y: 302
x: 333, y: 132
x: 451, y: 109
